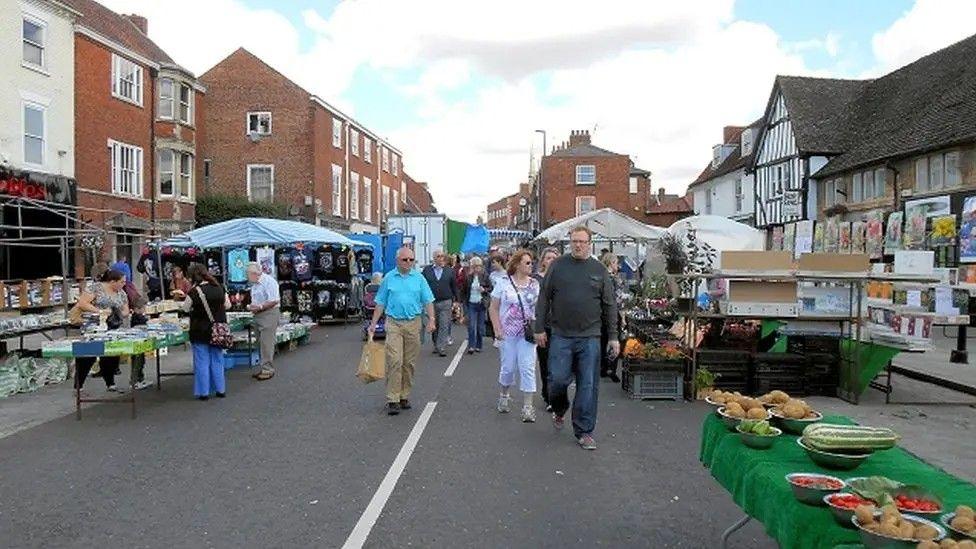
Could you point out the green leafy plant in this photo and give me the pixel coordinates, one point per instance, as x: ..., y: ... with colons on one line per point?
x: 704, y: 379
x: 214, y: 208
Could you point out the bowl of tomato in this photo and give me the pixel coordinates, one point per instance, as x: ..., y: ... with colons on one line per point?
x: 842, y: 506
x: 810, y: 488
x: 917, y: 502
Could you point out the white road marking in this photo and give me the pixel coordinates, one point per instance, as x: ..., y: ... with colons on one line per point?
x: 368, y: 519
x: 456, y: 360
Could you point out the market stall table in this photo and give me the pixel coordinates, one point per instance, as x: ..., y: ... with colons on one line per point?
x: 756, y: 481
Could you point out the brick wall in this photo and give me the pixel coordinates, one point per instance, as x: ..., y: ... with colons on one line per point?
x: 560, y: 191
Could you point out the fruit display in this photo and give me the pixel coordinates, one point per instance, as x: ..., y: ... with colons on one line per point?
x: 917, y: 504
x: 820, y: 482
x: 810, y: 488
x: 847, y: 501
x: 739, y: 406
x: 795, y: 409
x: 962, y: 521
x: 891, y: 524
x: 856, y: 439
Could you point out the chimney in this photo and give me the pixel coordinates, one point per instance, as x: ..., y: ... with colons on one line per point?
x: 139, y: 21
x: 730, y: 134
x: 579, y: 137
x: 524, y: 189
x: 660, y: 193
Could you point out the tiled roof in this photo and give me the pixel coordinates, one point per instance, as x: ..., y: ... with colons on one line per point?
x: 821, y: 110
x: 670, y: 203
x: 583, y: 150
x: 117, y: 28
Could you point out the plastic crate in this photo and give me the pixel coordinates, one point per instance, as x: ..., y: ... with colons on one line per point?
x: 647, y: 365
x: 237, y: 359
x: 652, y: 385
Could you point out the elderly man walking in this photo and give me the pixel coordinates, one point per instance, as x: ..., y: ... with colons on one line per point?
x: 403, y: 296
x: 577, y: 301
x: 443, y: 284
x: 264, y: 304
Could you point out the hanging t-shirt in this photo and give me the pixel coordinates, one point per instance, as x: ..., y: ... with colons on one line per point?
x: 305, y: 300
x: 324, y: 261
x: 237, y: 265
x: 508, y: 310
x: 340, y: 255
x: 283, y: 260
x: 287, y: 290
x: 301, y: 266
x: 214, y: 264
x: 266, y: 259
x: 364, y: 261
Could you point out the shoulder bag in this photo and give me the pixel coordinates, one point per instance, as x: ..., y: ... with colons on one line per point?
x: 528, y: 332
x: 220, y: 335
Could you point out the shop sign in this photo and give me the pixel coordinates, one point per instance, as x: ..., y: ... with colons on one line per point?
x: 791, y: 204
x: 57, y: 189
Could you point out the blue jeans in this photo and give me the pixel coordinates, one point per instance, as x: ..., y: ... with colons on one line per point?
x: 476, y: 324
x: 208, y: 369
x: 579, y: 358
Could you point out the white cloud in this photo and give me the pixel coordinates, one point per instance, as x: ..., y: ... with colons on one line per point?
x: 928, y: 26
x: 829, y: 44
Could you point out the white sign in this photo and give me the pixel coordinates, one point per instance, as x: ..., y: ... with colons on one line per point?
x: 791, y: 203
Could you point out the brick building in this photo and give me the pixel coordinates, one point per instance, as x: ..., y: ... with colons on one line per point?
x: 137, y: 115
x: 509, y: 212
x: 578, y: 177
x: 419, y: 199
x: 271, y: 140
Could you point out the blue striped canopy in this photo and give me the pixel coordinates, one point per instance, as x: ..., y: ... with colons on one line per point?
x: 256, y: 231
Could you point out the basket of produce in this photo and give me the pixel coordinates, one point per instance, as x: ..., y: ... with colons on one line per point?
x: 795, y: 415
x: 962, y: 523
x: 889, y: 529
x: 759, y: 435
x: 740, y: 408
x: 831, y: 460
x: 810, y: 488
x: 842, y: 506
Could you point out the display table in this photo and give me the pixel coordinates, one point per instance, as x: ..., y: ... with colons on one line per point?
x: 756, y: 480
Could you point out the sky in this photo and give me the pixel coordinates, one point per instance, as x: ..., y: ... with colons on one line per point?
x: 461, y: 86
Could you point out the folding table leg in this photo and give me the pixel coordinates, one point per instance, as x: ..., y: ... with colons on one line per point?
x: 159, y: 385
x: 732, y: 529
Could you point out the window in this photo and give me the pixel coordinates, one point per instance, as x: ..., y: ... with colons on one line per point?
x: 830, y: 189
x: 953, y: 177
x: 367, y: 199
x: 260, y: 182
x: 354, y: 195
x: 186, y: 104
x: 126, y: 80
x: 206, y: 171
x: 633, y: 185
x: 166, y: 173
x: 738, y: 195
x: 337, y: 190
x: 586, y: 175
x: 396, y: 201
x: 186, y: 175
x: 126, y: 165
x: 386, y: 201
x: 367, y: 149
x: 396, y: 164
x: 337, y: 133
x: 708, y: 201
x: 585, y: 204
x: 867, y: 179
x: 857, y: 188
x: 34, y: 134
x: 33, y: 37
x: 880, y: 182
x: 403, y: 191
x: 166, y: 95
x: 922, y: 174
x: 386, y: 159
x: 259, y: 123
x: 936, y: 172
x: 746, y: 142
x: 354, y: 141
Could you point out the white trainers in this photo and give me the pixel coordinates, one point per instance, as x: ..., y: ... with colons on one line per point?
x: 140, y: 385
x: 116, y: 389
x: 528, y: 414
x: 504, y: 404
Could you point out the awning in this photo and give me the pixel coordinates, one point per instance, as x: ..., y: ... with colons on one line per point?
x: 607, y: 225
x: 255, y: 231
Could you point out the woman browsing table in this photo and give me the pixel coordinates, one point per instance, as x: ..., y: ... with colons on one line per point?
x: 104, y: 297
x: 207, y: 303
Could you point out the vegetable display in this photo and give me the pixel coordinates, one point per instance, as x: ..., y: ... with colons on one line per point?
x: 848, y: 501
x: 964, y: 520
x: 891, y: 524
x: 848, y: 438
x: 739, y: 406
x: 818, y: 482
x: 757, y: 427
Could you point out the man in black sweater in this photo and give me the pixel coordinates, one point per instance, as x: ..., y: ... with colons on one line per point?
x: 577, y: 301
x: 443, y: 284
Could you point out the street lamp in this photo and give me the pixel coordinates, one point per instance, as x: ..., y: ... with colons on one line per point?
x: 538, y: 187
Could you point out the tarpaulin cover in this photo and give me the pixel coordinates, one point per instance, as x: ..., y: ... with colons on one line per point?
x: 475, y: 240
x: 393, y: 243
x: 456, y: 231
x: 253, y: 231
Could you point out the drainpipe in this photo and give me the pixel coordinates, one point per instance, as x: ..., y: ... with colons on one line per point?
x: 345, y: 174
x: 152, y: 154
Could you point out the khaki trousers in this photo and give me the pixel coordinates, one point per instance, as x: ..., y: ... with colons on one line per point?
x: 402, y: 351
x: 266, y: 323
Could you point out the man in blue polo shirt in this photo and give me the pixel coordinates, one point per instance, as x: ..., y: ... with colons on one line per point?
x: 403, y: 296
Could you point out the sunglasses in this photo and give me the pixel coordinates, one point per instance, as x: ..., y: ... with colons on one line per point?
x: 407, y: 259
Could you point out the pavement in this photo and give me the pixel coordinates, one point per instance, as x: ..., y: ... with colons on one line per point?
x: 309, y: 458
x: 935, y: 363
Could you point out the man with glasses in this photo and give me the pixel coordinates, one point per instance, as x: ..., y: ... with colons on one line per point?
x: 443, y: 284
x: 403, y: 296
x: 576, y: 302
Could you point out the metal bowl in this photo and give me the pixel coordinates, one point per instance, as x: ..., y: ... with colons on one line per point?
x: 841, y: 514
x: 810, y: 495
x: 831, y: 460
x: 956, y: 533
x: 759, y: 442
x: 729, y: 421
x: 795, y: 426
x: 873, y: 540
x: 715, y: 403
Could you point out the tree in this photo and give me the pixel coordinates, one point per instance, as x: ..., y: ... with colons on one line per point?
x: 214, y: 208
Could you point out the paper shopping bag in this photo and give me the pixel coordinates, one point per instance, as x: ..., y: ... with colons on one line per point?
x: 372, y: 363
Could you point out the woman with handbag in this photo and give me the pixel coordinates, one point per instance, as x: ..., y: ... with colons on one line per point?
x: 207, y: 303
x: 512, y: 312
x: 476, y: 297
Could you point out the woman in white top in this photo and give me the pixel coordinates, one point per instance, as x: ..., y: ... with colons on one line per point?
x: 513, y: 303
x: 476, y: 295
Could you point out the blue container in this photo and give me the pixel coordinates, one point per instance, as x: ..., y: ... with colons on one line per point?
x: 237, y: 359
x: 88, y: 348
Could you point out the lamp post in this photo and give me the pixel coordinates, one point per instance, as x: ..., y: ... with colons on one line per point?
x: 538, y: 187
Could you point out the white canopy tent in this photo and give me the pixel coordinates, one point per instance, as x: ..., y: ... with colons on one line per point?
x: 607, y: 224
x: 720, y: 233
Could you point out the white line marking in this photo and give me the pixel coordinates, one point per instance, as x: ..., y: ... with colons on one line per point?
x: 368, y: 519
x: 456, y: 360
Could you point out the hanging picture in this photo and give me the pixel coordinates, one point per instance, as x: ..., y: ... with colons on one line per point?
x: 917, y: 213
x: 874, y: 234
x: 844, y: 238
x: 804, y: 238
x: 789, y: 236
x: 892, y: 241
x: 832, y: 236
x: 819, y: 238
x: 967, y: 231
x: 943, y: 231
x: 858, y: 231
x: 777, y: 238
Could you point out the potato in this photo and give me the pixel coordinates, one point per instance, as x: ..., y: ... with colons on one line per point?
x: 756, y: 413
x: 872, y: 527
x: 890, y: 530
x: 864, y: 514
x: 927, y: 545
x: 907, y: 530
x: 965, y: 511
x: 794, y: 411
x: 890, y: 512
x: 966, y: 544
x: 948, y: 543
x: 750, y: 403
x: 779, y: 396
x: 925, y: 532
x: 964, y: 523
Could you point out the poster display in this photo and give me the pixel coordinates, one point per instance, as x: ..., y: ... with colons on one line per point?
x: 804, y: 239
x: 789, y: 236
x: 943, y: 231
x: 874, y: 235
x: 917, y: 213
x: 858, y: 232
x: 819, y: 238
x: 832, y: 236
x: 892, y: 241
x: 777, y: 238
x: 844, y: 238
x: 967, y: 231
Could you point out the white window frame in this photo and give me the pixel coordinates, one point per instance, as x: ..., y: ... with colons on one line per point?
x: 857, y: 188
x: 353, y: 195
x: 354, y: 141
x: 738, y: 194
x: 40, y: 23
x: 250, y: 169
x: 188, y: 104
x: 337, y: 190
x: 43, y: 137
x: 867, y: 182
x: 880, y: 182
x: 936, y: 167
x: 396, y: 201
x: 167, y: 101
x: 172, y: 172
x: 367, y: 150
x: 386, y: 160
x: 337, y: 133
x: 258, y: 116
x: 579, y: 170
x: 367, y: 199
x: 386, y: 201
x: 395, y: 162
x: 185, y: 190
x: 117, y: 154
x: 119, y: 64
x: 952, y: 179
x: 708, y: 200
x: 922, y: 174
x: 633, y: 185
x: 579, y: 201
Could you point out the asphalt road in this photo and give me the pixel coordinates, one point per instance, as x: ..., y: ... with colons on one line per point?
x: 295, y: 461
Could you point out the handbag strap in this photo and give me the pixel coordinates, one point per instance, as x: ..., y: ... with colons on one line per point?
x: 519, y: 296
x: 206, y: 306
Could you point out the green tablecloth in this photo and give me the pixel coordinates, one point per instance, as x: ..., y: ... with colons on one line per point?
x: 755, y: 478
